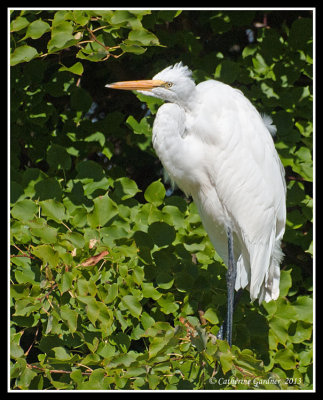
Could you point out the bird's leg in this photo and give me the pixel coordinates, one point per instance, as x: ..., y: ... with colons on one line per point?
x: 223, y: 328
x: 231, y: 279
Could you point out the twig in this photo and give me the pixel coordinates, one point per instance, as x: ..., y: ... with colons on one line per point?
x: 33, y: 342
x: 96, y: 40
x: 48, y: 293
x: 100, y: 27
x: 21, y: 251
x: 62, y: 221
x: 295, y: 178
x: 21, y: 255
x: 106, y: 48
x: 55, y: 371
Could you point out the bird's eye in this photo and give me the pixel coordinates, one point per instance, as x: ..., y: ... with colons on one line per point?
x: 168, y: 85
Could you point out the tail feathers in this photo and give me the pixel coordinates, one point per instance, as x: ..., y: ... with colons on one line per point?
x: 243, y: 273
x: 268, y: 121
x: 265, y: 259
x: 267, y: 288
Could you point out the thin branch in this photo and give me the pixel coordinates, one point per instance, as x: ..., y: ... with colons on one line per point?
x: 106, y: 48
x: 24, y: 254
x: 96, y: 40
x: 33, y: 342
x: 63, y: 222
x: 100, y: 27
x: 54, y: 371
x: 48, y: 293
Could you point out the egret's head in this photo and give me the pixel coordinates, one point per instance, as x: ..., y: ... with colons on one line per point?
x: 174, y: 84
x: 178, y: 84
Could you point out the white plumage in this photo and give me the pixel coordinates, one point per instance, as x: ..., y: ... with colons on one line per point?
x: 218, y: 149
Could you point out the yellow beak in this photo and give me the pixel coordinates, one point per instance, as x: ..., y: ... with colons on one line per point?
x: 136, y: 85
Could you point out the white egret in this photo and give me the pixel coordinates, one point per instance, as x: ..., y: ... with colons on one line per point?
x: 218, y: 149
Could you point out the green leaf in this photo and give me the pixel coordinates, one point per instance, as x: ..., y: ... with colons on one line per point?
x: 80, y: 99
x: 15, y: 350
x: 120, y: 16
x: 161, y: 233
x: 304, y: 154
x: 92, y: 307
x: 149, y: 291
x: 146, y: 320
x: 53, y: 210
x: 105, y: 316
x: 96, y: 380
x: 220, y: 23
x: 48, y: 188
x: 139, y: 128
x: 229, y: 71
x: 133, y: 305
x: 58, y: 157
x: 122, y: 341
x: 259, y: 64
x: 143, y: 240
x: 211, y: 315
x: 18, y: 24
x: 46, y: 254
x: 36, y: 29
x: 286, y: 358
x: 27, y: 275
x: 143, y: 37
x: 280, y: 328
x: 24, y: 380
x: 76, y: 68
x: 92, y: 55
x: 249, y: 50
x: 128, y: 46
x: 200, y: 339
x: 88, y: 169
x: 225, y: 355
x: 164, y: 280
x: 24, y: 307
x: 66, y: 282
x: 140, y: 13
x: 46, y: 233
x: 70, y: 317
x: 153, y: 104
x: 285, y: 282
x: 76, y: 239
x: 156, y: 345
x: 61, y: 353
x: 155, y: 193
x: 305, y: 357
x: 22, y: 54
x: 303, y: 332
x: 81, y: 17
x: 112, y: 293
x: 104, y: 209
x: 125, y: 188
x: 138, y: 275
x: 61, y: 37
x: 123, y: 359
x: 24, y: 210
x: 161, y: 342
x: 168, y: 304
x: 174, y: 216
x: 304, y: 308
x: 301, y: 33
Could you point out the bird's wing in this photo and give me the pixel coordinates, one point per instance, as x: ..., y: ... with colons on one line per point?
x: 175, y: 147
x: 242, y: 161
x: 245, y: 170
